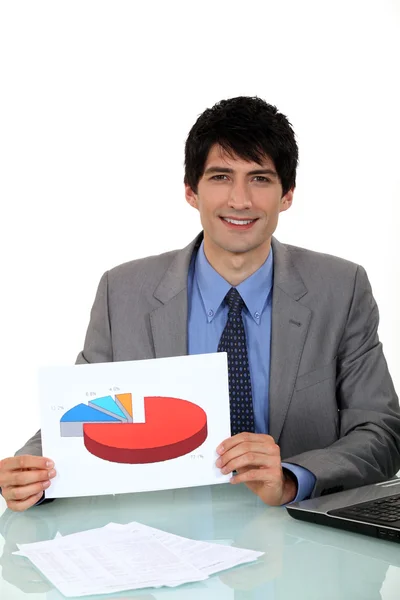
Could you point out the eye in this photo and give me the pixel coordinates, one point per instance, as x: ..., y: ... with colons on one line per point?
x: 218, y: 177
x: 262, y: 179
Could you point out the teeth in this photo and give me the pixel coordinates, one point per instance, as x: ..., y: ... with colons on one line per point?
x: 234, y: 222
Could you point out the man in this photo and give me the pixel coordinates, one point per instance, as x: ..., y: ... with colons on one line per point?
x: 313, y: 408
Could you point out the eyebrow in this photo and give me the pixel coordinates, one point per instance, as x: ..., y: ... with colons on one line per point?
x: 210, y: 170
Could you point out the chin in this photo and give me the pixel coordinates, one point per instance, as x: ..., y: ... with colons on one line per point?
x: 238, y: 248
x: 236, y: 243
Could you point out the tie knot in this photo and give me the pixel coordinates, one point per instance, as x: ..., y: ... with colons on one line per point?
x: 235, y: 302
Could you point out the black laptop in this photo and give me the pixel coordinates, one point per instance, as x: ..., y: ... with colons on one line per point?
x: 372, y: 510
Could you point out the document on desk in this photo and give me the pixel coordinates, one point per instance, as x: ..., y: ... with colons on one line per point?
x: 118, y: 558
x: 134, y: 426
x: 209, y: 558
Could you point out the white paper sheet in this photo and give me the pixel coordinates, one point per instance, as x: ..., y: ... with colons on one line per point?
x: 209, y: 558
x: 117, y: 558
x: 200, y: 379
x: 107, y: 563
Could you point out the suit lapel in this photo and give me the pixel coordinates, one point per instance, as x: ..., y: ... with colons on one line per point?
x: 290, y: 323
x: 169, y: 321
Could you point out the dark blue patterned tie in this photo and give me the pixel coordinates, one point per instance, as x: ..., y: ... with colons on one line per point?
x: 233, y: 341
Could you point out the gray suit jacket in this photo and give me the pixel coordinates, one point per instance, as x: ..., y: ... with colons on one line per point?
x: 333, y: 407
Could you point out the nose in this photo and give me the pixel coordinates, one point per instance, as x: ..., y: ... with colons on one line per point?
x: 239, y: 197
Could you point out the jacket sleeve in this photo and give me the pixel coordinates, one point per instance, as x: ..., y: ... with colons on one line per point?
x: 98, y: 343
x: 368, y: 448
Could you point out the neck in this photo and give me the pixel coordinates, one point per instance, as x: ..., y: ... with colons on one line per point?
x: 236, y: 267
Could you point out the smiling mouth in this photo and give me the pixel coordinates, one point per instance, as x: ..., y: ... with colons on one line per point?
x: 238, y: 223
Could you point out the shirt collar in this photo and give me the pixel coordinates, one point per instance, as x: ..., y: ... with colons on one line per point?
x: 213, y: 288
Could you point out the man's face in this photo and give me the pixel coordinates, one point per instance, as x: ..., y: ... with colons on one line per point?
x: 239, y: 203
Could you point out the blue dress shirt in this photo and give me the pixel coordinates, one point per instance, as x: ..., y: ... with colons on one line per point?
x: 207, y: 317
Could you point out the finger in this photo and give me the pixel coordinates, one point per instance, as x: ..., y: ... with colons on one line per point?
x: 23, y: 478
x: 251, y: 459
x: 266, y: 448
x: 25, y: 491
x: 271, y: 476
x: 26, y: 461
x: 243, y: 437
x: 21, y: 505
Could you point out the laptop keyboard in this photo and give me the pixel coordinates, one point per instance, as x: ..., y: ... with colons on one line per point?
x: 382, y: 510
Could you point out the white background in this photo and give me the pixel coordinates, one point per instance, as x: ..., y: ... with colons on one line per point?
x: 96, y: 102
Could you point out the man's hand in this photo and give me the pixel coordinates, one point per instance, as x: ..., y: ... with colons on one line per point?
x: 257, y: 460
x: 23, y: 480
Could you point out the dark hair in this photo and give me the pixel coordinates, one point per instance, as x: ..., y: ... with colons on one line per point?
x: 247, y: 127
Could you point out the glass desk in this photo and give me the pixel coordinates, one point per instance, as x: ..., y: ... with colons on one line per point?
x: 302, y: 561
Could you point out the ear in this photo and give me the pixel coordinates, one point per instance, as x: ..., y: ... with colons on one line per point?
x: 286, y: 200
x: 191, y: 197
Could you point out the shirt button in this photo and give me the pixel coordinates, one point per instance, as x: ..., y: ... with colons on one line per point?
x: 256, y: 315
x: 210, y: 313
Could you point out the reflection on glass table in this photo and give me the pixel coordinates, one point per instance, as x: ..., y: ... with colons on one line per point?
x: 301, y: 561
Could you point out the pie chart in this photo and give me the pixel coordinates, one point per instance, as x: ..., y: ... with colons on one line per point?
x: 173, y: 427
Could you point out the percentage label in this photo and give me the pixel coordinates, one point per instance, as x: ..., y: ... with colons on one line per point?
x: 114, y: 389
x: 56, y: 407
x: 91, y: 394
